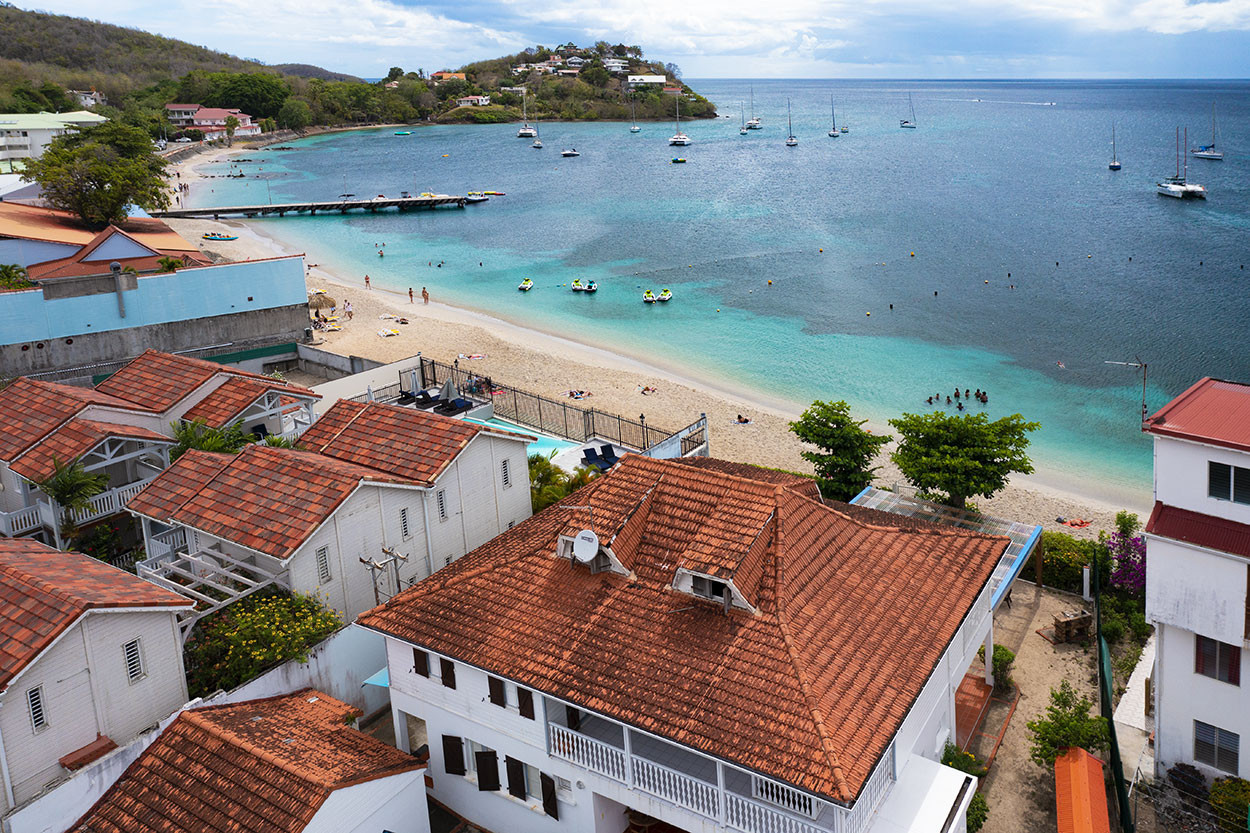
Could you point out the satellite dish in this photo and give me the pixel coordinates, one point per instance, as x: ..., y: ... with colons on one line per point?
x: 586, y: 546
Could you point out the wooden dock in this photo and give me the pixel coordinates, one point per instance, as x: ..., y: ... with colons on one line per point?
x: 326, y: 207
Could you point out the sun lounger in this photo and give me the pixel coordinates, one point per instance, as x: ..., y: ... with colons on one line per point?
x: 456, y: 406
x: 593, y: 460
x: 609, y: 456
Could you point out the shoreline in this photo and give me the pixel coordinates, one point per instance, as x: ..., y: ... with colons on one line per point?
x: 531, y: 358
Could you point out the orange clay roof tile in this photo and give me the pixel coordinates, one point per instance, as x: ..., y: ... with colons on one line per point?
x: 72, y: 440
x: 157, y: 381
x: 43, y: 591
x: 31, y: 409
x: 803, y: 485
x: 851, y: 618
x: 236, y: 395
x: 260, y: 766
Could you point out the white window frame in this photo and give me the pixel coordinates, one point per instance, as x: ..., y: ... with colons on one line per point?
x: 36, y: 709
x: 404, y: 530
x: 440, y: 500
x: 322, y: 556
x: 131, y: 674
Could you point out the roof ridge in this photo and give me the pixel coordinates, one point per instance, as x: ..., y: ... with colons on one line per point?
x: 826, y: 740
x: 227, y: 464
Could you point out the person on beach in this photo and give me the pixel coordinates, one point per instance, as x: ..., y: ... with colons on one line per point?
x: 347, y: 309
x: 410, y: 299
x: 367, y: 282
x: 425, y: 295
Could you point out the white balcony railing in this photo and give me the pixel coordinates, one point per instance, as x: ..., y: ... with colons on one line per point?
x: 600, y: 757
x: 20, y: 522
x: 110, y: 502
x: 744, y: 814
x: 162, y: 545
x: 676, y: 787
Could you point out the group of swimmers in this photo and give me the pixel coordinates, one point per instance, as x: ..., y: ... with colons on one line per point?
x: 981, y: 396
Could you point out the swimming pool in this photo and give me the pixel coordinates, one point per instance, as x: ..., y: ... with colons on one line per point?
x: 544, y: 445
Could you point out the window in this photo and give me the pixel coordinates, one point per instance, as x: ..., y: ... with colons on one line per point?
x: 403, y: 523
x: 34, y: 702
x: 503, y: 470
x: 420, y: 662
x: 1216, y: 747
x: 323, y: 565
x: 1225, y: 482
x: 1217, y: 660
x: 707, y: 588
x: 498, y: 691
x: 447, y: 669
x: 441, y: 497
x: 134, y: 660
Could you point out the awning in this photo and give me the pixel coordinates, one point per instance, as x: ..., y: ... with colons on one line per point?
x: 381, y: 679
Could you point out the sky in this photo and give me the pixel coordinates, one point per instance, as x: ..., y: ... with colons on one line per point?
x: 726, y: 38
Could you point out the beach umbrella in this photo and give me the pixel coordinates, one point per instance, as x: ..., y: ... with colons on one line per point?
x: 320, y: 301
x: 369, y: 392
x: 413, y: 385
x: 449, y: 391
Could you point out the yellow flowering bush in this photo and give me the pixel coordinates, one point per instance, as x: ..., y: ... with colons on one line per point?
x: 255, y: 633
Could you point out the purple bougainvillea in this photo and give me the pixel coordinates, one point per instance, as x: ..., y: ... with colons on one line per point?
x: 1128, y: 562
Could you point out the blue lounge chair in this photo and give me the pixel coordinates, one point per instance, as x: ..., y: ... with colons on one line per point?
x: 609, y: 455
x: 593, y: 459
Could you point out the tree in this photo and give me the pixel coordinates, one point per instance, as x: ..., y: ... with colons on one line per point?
x: 1066, y: 723
x: 232, y: 124
x: 295, y: 114
x: 550, y: 484
x: 98, y: 172
x: 72, y: 487
x: 168, y: 264
x: 395, y: 73
x: 673, y: 70
x: 596, y: 76
x: 961, y: 456
x: 199, y: 436
x: 843, y: 462
x: 13, y: 276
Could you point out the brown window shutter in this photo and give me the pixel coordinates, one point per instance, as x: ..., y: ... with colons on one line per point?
x: 487, y: 770
x: 550, y: 805
x: 420, y: 662
x: 448, y: 670
x: 525, y: 702
x: 453, y: 755
x: 498, y: 695
x: 516, y: 777
x: 573, y: 717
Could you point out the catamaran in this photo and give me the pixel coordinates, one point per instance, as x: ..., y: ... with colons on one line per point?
x: 833, y: 120
x: 791, y: 141
x: 527, y: 131
x: 1177, y: 186
x: 679, y: 138
x: 912, y: 121
x: 1115, y: 162
x: 1209, y: 151
x: 753, y: 123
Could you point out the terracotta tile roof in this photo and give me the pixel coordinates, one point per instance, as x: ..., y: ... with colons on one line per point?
x: 260, y: 766
x: 266, y: 499
x: 1080, y: 793
x: 31, y: 409
x: 1211, y: 411
x: 234, y: 396
x: 79, y: 758
x: 158, y: 381
x: 1202, y: 530
x: 72, y: 267
x: 72, y: 440
x: 43, y: 591
x: 850, y: 620
x: 32, y: 222
x: 803, y: 485
x: 406, y: 442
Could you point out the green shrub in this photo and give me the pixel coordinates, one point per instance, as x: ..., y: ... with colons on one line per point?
x: 956, y: 758
x: 1063, y: 560
x: 1066, y: 722
x: 978, y: 812
x: 1230, y: 802
x: 238, y: 642
x: 1003, y: 658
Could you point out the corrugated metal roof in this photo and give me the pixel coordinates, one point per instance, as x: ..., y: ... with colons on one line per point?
x: 1080, y: 793
x: 1203, y: 530
x: 1211, y: 411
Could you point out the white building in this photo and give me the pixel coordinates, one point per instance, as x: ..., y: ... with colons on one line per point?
x: 88, y: 98
x: 644, y: 80
x: 26, y: 135
x: 701, y: 643
x: 406, y: 490
x: 90, y: 658
x: 1197, y: 577
x: 288, y: 764
x: 473, y: 101
x: 615, y: 64
x: 576, y: 62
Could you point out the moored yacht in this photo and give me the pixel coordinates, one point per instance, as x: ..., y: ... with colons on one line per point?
x: 791, y: 141
x: 909, y: 123
x: 753, y: 123
x: 679, y: 138
x: 1209, y: 151
x: 526, y: 131
x: 1178, y: 186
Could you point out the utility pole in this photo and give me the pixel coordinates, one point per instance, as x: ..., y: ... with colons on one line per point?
x: 392, y: 560
x: 1140, y: 365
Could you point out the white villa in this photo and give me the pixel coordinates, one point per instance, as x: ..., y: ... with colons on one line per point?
x: 697, y: 645
x: 374, y: 499
x: 27, y: 135
x: 1198, y: 578
x: 90, y: 657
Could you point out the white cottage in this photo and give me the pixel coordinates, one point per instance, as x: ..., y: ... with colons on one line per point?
x: 90, y: 657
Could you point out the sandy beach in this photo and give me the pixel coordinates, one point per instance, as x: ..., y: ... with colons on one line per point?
x: 551, y: 365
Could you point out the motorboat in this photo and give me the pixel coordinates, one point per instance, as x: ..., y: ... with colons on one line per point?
x: 403, y: 132
x: 665, y: 295
x: 569, y: 152
x: 1178, y: 186
x: 648, y: 297
x: 526, y: 285
x: 679, y: 160
x: 475, y: 198
x: 538, y: 144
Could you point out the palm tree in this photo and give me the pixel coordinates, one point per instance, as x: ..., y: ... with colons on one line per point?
x: 169, y: 264
x: 13, y: 276
x: 278, y: 441
x: 199, y: 436
x: 550, y: 484
x: 72, y: 487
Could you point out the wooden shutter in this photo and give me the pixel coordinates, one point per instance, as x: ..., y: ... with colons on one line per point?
x: 487, y: 770
x: 420, y: 662
x: 448, y: 669
x: 550, y: 805
x: 525, y: 702
x: 516, y: 777
x: 453, y: 755
x: 498, y: 694
x: 573, y: 717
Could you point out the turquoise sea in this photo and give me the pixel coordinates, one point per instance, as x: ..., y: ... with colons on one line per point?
x: 1003, y: 184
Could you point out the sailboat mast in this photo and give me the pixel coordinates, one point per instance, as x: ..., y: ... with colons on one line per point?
x: 1178, y: 153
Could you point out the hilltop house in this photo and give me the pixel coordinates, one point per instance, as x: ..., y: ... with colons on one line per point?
x: 473, y: 101
x: 124, y: 428
x: 374, y: 498
x: 27, y: 135
x: 1198, y: 578
x: 445, y: 75
x: 90, y: 659
x: 616, y: 65
x: 283, y: 764
x: 88, y: 98
x: 701, y: 644
x: 645, y: 80
x: 575, y: 62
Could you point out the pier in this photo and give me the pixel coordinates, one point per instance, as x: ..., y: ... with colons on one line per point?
x: 326, y: 206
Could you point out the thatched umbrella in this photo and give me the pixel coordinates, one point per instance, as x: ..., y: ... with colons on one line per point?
x: 319, y: 300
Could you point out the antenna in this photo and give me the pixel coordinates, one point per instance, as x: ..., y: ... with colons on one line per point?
x: 586, y: 546
x: 1141, y: 365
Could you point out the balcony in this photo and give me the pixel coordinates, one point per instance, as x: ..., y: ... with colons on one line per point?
x: 211, y: 576
x: 734, y: 798
x: 23, y: 521
x: 109, y: 502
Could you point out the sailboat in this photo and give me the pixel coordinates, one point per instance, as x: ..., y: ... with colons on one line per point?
x: 1177, y: 186
x: 833, y: 120
x: 912, y: 121
x: 633, y: 128
x: 790, y: 140
x: 753, y: 123
x: 1209, y: 151
x: 743, y: 130
x: 679, y: 138
x: 1115, y: 162
x: 538, y: 142
x: 526, y: 131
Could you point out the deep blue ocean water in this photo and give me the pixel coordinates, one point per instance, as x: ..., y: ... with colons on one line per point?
x: 1000, y: 178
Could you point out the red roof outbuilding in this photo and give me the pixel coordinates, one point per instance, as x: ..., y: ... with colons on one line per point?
x: 1212, y: 411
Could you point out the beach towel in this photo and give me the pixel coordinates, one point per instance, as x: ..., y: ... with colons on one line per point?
x: 388, y: 333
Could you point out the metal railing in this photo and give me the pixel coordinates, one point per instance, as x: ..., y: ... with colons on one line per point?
x: 592, y: 754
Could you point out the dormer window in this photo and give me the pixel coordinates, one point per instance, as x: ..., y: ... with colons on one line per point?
x: 601, y: 562
x: 719, y: 591
x: 709, y: 588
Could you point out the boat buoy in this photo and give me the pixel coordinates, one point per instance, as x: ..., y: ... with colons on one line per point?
x: 987, y: 281
x: 822, y: 251
x: 718, y: 310
x: 770, y: 281
x: 445, y: 155
x: 1089, y: 255
x: 1009, y: 274
x: 913, y: 254
x: 868, y: 313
